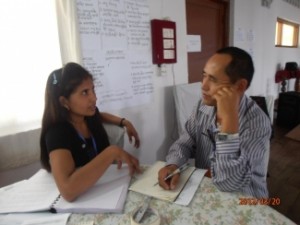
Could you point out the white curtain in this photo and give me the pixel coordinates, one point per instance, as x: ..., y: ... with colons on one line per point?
x: 29, y: 52
x: 68, y: 31
x: 37, y: 37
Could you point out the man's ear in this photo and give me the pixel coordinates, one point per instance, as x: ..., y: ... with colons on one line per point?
x: 64, y: 102
x: 242, y: 85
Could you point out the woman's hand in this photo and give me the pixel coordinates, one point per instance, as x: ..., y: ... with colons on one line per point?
x: 131, y: 132
x: 121, y: 156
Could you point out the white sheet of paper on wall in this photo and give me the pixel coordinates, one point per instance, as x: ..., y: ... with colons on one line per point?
x: 169, y: 54
x: 194, y: 43
x: 168, y: 43
x: 168, y: 33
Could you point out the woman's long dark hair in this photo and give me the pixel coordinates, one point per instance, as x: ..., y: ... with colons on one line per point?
x: 63, y: 82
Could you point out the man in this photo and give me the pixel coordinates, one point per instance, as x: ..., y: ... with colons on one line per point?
x: 227, y: 133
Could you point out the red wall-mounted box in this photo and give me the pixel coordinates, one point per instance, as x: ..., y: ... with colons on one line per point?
x: 163, y: 41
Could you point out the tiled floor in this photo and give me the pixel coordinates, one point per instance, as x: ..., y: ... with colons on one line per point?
x: 284, y: 174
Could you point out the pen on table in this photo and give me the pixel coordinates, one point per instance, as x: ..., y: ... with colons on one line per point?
x: 178, y: 170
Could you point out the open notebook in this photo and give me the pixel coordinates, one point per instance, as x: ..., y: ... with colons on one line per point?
x: 145, y: 183
x: 39, y: 193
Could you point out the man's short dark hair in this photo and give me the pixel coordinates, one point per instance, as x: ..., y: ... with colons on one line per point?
x: 241, y: 65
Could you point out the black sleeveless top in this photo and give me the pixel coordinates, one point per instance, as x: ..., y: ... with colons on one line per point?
x: 64, y: 136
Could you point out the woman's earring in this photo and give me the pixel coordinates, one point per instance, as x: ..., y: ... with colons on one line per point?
x: 67, y: 107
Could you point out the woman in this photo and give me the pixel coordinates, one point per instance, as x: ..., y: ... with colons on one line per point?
x: 74, y: 144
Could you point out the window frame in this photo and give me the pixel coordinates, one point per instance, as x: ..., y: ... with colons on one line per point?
x: 279, y: 34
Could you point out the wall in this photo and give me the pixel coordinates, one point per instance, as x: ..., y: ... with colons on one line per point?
x: 156, y: 121
x: 267, y: 58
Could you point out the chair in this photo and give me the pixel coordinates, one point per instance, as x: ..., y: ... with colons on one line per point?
x: 186, y: 97
x: 115, y: 134
x: 270, y: 105
x: 267, y: 105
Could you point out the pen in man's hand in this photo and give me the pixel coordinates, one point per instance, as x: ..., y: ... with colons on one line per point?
x: 178, y: 170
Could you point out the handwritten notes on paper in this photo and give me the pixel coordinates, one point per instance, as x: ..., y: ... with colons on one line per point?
x: 145, y: 185
x: 115, y: 43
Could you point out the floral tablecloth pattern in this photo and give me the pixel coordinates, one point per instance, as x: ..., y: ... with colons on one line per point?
x: 209, y: 206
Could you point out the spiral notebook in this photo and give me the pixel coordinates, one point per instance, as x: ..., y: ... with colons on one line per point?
x: 39, y: 193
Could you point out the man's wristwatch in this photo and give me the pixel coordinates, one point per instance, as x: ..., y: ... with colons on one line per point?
x: 226, y: 136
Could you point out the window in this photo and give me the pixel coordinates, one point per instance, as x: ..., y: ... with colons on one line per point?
x: 287, y: 34
x: 29, y: 52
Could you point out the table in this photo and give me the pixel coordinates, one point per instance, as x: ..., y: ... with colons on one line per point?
x: 209, y: 206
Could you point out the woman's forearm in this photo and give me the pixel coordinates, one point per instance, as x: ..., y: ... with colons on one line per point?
x: 110, y: 118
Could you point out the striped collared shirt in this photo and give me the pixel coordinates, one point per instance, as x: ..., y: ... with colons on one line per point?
x: 239, y: 164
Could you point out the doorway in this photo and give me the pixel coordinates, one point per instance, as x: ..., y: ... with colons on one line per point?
x: 210, y: 20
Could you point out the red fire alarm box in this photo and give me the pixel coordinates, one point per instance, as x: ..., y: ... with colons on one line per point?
x: 163, y: 41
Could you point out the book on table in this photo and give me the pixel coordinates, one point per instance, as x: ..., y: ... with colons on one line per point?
x: 145, y: 184
x: 40, y: 193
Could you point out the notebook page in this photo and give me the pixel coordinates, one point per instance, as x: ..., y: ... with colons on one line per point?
x: 45, y: 218
x: 107, y: 195
x: 145, y: 183
x: 35, y: 194
x: 189, y: 190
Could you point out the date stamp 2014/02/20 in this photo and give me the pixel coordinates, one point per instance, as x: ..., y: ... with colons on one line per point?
x: 259, y: 201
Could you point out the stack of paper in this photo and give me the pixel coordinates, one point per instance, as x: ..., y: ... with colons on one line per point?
x: 40, y: 193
